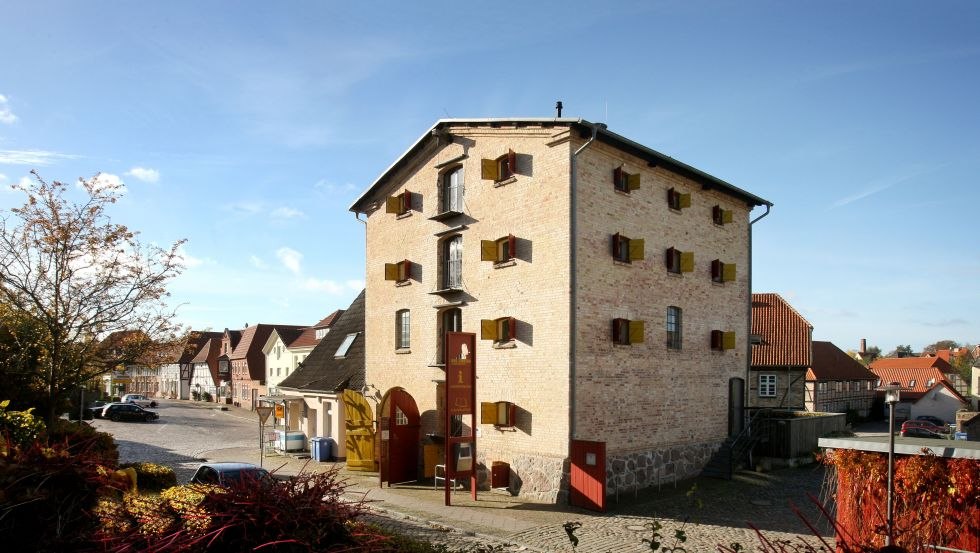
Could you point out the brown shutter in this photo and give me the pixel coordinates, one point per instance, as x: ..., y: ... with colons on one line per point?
x: 670, y: 197
x: 633, y: 182
x: 716, y: 339
x: 728, y: 340
x: 488, y: 329
x: 716, y: 215
x: 636, y: 249
x: 407, y: 203
x: 391, y: 271
x: 405, y: 270
x: 512, y: 162
x: 617, y: 176
x: 488, y: 250
x: 687, y: 262
x: 489, y: 170
x: 685, y: 200
x: 488, y: 412
x: 636, y: 332
x: 512, y: 245
x: 716, y: 269
x: 393, y: 204
x: 669, y: 258
x: 726, y: 216
x: 615, y: 246
x: 728, y: 272
x: 617, y: 328
x: 512, y: 327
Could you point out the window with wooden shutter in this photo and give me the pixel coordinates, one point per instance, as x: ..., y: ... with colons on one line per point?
x: 716, y: 339
x: 499, y: 250
x: 728, y: 272
x: 503, y: 329
x: 488, y: 329
x: 398, y: 272
x: 687, y: 262
x: 399, y: 204
x: 678, y: 201
x: 672, y: 259
x: 716, y: 270
x: 721, y: 216
x: 621, y: 248
x: 728, y: 340
x: 497, y: 413
x: 636, y: 332
x: 625, y: 182
x: 620, y: 331
x: 499, y: 169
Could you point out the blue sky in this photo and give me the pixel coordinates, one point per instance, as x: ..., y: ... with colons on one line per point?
x: 249, y: 127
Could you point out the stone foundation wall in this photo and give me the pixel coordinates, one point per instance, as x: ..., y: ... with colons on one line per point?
x: 535, y: 477
x: 644, y: 469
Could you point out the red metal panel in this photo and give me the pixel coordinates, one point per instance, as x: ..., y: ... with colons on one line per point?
x: 588, y: 477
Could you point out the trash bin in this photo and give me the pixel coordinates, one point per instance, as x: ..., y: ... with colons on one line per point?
x: 321, y: 448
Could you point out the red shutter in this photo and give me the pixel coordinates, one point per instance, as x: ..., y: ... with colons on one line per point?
x: 616, y: 328
x: 669, y: 258
x: 512, y: 323
x: 615, y: 246
x: 407, y: 203
x: 617, y: 176
x: 512, y: 162
x: 512, y: 245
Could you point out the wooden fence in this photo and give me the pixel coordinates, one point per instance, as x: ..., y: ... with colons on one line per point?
x: 790, y: 434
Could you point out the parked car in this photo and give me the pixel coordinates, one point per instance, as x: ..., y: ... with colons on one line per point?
x: 926, y: 425
x: 917, y: 432
x: 934, y: 420
x: 128, y: 412
x: 224, y: 474
x: 139, y: 399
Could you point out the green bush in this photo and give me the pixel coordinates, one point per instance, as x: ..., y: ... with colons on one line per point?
x: 151, y: 477
x: 206, y: 396
x: 196, y: 395
x: 74, y: 437
x: 22, y: 427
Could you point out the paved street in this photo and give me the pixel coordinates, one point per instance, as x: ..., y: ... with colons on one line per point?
x: 717, y: 512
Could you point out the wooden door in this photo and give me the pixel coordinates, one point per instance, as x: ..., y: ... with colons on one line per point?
x: 359, y: 422
x: 402, y: 448
x: 588, y: 478
x: 736, y: 406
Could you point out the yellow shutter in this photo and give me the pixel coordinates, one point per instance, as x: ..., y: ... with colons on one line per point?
x: 726, y: 216
x: 633, y: 182
x: 488, y: 329
x: 636, y: 249
x: 685, y: 200
x: 488, y: 250
x: 636, y: 332
x: 489, y: 170
x: 488, y: 412
x: 393, y: 204
x: 687, y: 262
x: 728, y: 340
x: 391, y: 271
x: 728, y: 272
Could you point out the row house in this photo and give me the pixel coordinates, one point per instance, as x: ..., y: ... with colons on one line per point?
x: 607, y: 284
x: 837, y: 383
x: 176, y: 374
x: 247, y: 364
x: 204, y: 370
x: 284, y: 350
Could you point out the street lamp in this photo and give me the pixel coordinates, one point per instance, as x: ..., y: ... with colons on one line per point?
x: 892, y: 393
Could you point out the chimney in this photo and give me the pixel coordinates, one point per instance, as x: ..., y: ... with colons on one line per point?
x: 558, y: 107
x: 864, y: 346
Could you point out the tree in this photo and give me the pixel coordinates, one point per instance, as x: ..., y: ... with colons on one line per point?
x: 901, y: 351
x: 942, y: 344
x: 74, y: 277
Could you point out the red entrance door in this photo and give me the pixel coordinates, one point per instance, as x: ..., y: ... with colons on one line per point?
x: 402, y: 437
x: 588, y: 478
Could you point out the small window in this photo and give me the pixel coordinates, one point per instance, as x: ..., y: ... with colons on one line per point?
x: 399, y: 272
x: 721, y: 340
x: 345, y: 345
x: 821, y: 386
x: 625, y: 182
x: 403, y: 329
x: 399, y: 204
x: 838, y: 386
x: 912, y: 383
x: 499, y: 169
x: 400, y: 418
x: 930, y: 382
x: 452, y: 191
x: 678, y: 262
x: 499, y: 330
x: 497, y: 413
x: 678, y: 201
x: 499, y: 250
x: 721, y: 216
x: 722, y: 272
x: 767, y: 385
x: 674, y: 327
x: 626, y: 249
x: 626, y: 332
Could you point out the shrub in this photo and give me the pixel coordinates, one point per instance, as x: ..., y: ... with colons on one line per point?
x: 206, y: 396
x: 151, y: 477
x: 196, y: 395
x: 75, y: 437
x: 21, y: 426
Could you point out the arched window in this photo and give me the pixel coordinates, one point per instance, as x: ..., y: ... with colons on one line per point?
x: 452, y: 256
x: 451, y: 191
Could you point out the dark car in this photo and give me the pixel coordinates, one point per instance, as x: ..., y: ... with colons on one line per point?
x: 918, y: 432
x: 225, y: 474
x: 96, y: 408
x: 128, y: 412
x: 924, y: 425
x: 934, y: 420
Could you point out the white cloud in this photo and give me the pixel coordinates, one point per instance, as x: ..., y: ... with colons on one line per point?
x: 287, y: 213
x: 329, y: 286
x: 356, y: 285
x: 144, y: 174
x: 257, y: 262
x: 32, y: 157
x: 105, y: 180
x: 290, y: 258
x: 6, y: 116
x: 188, y: 260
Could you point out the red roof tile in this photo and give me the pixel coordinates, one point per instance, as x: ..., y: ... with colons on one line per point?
x: 307, y: 338
x: 831, y: 363
x: 914, y: 381
x: 329, y: 320
x: 911, y: 363
x: 785, y: 333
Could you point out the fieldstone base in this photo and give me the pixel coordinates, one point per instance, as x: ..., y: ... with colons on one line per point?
x: 626, y: 473
x: 537, y: 478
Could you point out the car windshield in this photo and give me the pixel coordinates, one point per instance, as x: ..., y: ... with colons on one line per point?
x: 252, y: 474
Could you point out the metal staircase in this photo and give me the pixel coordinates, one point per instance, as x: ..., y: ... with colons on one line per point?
x: 736, y: 450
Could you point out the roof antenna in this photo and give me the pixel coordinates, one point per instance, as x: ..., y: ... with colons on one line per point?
x: 558, y: 107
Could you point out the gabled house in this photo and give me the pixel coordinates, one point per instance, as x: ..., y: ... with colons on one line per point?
x: 910, y: 368
x: 314, y: 392
x: 323, y: 327
x: 926, y: 389
x: 204, y: 371
x: 248, y: 372
x: 837, y: 383
x: 229, y: 341
x: 176, y: 373
x: 781, y: 354
x: 607, y: 285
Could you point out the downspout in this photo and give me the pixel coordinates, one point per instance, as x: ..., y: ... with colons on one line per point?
x: 748, y: 342
x: 573, y: 264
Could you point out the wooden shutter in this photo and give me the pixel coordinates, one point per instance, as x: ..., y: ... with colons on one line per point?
x: 404, y: 270
x: 633, y: 182
x: 511, y: 323
x: 512, y: 162
x: 512, y: 246
x: 393, y: 204
x: 488, y: 250
x: 687, y: 262
x: 728, y: 340
x: 617, y: 177
x: 728, y: 272
x: 685, y: 200
x: 726, y: 216
x: 716, y: 339
x: 615, y: 246
x: 669, y: 258
x: 488, y: 329
x: 636, y: 249
x: 716, y: 269
x: 407, y: 201
x: 716, y: 214
x: 636, y: 332
x: 489, y: 169
x: 617, y: 328
x: 488, y: 412
x: 670, y: 197
x: 391, y: 271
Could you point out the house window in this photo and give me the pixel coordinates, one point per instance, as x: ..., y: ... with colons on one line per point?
x: 912, y: 383
x: 452, y: 255
x: 499, y: 413
x: 722, y: 272
x: 399, y: 204
x: 451, y: 321
x: 501, y: 249
x: 499, y: 330
x: 400, y: 418
x: 678, y: 201
x: 867, y: 385
x: 625, y: 249
x: 625, y: 182
x: 674, y: 327
x: 838, y: 386
x: 399, y: 272
x: 452, y: 191
x: 821, y: 386
x: 499, y: 169
x: 345, y: 346
x: 721, y: 216
x: 403, y: 328
x: 678, y: 262
x: 625, y: 332
x: 767, y: 385
x: 721, y: 340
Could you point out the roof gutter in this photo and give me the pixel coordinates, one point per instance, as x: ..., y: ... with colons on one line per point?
x: 748, y: 341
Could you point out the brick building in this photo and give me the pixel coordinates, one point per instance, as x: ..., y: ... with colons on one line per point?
x: 782, y: 351
x: 608, y: 286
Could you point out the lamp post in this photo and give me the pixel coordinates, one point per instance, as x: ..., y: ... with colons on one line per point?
x: 891, y: 398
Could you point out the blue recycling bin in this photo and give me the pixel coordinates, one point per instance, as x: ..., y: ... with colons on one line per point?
x: 321, y: 448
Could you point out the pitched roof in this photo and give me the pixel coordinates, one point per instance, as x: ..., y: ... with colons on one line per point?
x: 196, y: 341
x: 205, y: 351
x: 915, y: 381
x: 304, y: 339
x: 254, y: 337
x: 328, y: 321
x: 832, y: 363
x: 323, y: 372
x: 786, y: 335
x: 911, y: 363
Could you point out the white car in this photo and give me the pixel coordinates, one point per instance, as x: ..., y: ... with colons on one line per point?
x: 138, y: 399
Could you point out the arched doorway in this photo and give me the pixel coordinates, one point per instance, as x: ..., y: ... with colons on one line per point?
x: 399, y: 437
